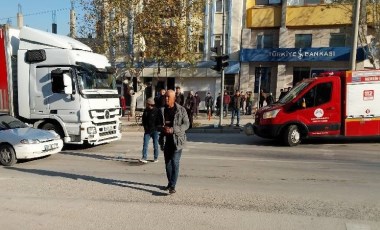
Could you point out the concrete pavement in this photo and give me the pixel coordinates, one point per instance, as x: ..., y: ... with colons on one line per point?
x: 201, y: 124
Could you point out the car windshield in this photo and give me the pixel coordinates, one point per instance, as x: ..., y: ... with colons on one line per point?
x: 9, y: 122
x: 293, y: 93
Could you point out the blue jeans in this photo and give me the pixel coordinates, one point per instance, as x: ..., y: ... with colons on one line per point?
x: 154, y: 135
x: 172, y: 158
x: 235, y: 111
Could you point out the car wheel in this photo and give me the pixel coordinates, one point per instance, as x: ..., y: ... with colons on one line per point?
x: 50, y: 126
x: 292, y: 136
x: 7, y: 155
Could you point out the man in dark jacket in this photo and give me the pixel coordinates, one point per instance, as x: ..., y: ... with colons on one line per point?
x: 209, y: 102
x: 179, y: 98
x: 236, y: 103
x: 190, y: 106
x: 173, y: 137
x: 160, y: 99
x: 152, y: 121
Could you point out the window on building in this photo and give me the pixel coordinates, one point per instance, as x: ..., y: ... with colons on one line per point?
x: 267, y: 2
x: 218, y: 40
x: 303, y: 41
x: 338, y: 40
x: 219, y: 5
x: 306, y: 2
x: 219, y: 8
x: 201, y: 43
x: 264, y: 41
x: 299, y: 73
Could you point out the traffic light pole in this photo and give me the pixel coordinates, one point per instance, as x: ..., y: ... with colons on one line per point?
x: 222, y: 73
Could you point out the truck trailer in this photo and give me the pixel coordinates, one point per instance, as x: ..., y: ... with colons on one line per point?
x: 55, y: 82
x: 345, y: 103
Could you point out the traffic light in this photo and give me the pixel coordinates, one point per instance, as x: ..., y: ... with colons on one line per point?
x: 221, y: 62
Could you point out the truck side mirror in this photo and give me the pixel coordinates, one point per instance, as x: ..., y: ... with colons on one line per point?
x: 68, y: 86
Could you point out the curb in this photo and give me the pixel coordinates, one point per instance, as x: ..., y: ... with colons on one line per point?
x: 202, y: 129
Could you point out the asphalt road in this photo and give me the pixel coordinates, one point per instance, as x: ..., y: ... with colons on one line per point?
x: 227, y: 181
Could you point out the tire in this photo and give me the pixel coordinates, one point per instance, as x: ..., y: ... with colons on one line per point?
x: 51, y: 126
x: 292, y: 136
x: 7, y: 155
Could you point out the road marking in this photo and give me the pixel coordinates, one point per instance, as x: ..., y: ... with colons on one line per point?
x: 351, y: 226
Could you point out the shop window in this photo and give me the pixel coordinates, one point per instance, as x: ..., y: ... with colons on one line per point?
x: 303, y: 41
x: 264, y: 41
x: 299, y: 73
x: 338, y: 40
x: 262, y: 79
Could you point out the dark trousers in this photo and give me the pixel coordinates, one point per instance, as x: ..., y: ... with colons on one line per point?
x: 172, y: 157
x: 190, y: 114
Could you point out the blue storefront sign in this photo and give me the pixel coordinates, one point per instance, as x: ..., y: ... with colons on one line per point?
x: 300, y: 54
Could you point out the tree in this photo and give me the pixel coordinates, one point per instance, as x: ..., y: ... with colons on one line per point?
x: 369, y: 26
x: 138, y: 31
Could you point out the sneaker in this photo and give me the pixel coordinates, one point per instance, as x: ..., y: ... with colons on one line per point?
x: 237, y: 125
x: 166, y: 188
x: 155, y: 160
x: 172, y: 190
x: 142, y: 160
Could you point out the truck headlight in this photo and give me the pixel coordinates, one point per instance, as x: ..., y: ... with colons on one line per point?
x: 271, y: 114
x: 91, y: 130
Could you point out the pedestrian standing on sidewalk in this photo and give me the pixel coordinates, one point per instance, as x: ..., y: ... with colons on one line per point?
x: 209, y: 102
x: 173, y: 138
x: 236, y: 103
x: 160, y: 99
x: 226, y: 103
x: 197, y: 102
x: 152, y: 122
x: 179, y: 98
x: 190, y: 106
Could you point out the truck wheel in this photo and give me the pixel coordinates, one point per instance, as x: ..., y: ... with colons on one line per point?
x: 7, y: 155
x: 292, y: 136
x: 50, y: 126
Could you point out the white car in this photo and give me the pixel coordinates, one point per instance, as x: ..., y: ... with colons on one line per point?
x: 19, y: 141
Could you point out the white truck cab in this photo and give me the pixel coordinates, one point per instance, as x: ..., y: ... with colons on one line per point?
x: 60, y: 84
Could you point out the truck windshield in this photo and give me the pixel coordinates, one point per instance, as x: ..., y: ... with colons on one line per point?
x: 89, y: 79
x: 293, y: 93
x: 95, y: 80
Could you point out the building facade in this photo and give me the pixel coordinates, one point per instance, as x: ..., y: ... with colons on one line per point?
x: 202, y: 78
x: 286, y: 41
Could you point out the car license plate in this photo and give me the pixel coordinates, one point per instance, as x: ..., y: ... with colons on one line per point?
x: 51, y: 146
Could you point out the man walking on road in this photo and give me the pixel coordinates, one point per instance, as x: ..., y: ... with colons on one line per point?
x: 152, y: 122
x: 173, y: 138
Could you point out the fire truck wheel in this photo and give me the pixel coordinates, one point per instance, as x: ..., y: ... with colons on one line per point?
x: 50, y: 126
x: 7, y: 155
x: 292, y: 136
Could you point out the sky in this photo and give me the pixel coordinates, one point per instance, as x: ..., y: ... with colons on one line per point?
x: 38, y: 14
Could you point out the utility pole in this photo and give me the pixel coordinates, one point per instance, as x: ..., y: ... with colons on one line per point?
x: 222, y: 73
x: 355, y: 35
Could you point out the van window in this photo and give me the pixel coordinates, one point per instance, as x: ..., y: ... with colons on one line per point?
x: 318, y: 95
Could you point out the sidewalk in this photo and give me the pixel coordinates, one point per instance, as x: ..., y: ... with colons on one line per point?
x: 201, y: 124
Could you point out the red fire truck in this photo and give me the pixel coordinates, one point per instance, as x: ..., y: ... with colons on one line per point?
x: 331, y: 104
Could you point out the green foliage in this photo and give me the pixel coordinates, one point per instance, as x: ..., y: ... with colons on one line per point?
x: 165, y: 31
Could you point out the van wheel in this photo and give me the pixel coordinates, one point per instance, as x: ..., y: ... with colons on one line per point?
x: 292, y: 136
x: 50, y: 126
x: 7, y: 155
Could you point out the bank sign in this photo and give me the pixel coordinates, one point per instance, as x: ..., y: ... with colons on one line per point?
x: 300, y: 54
